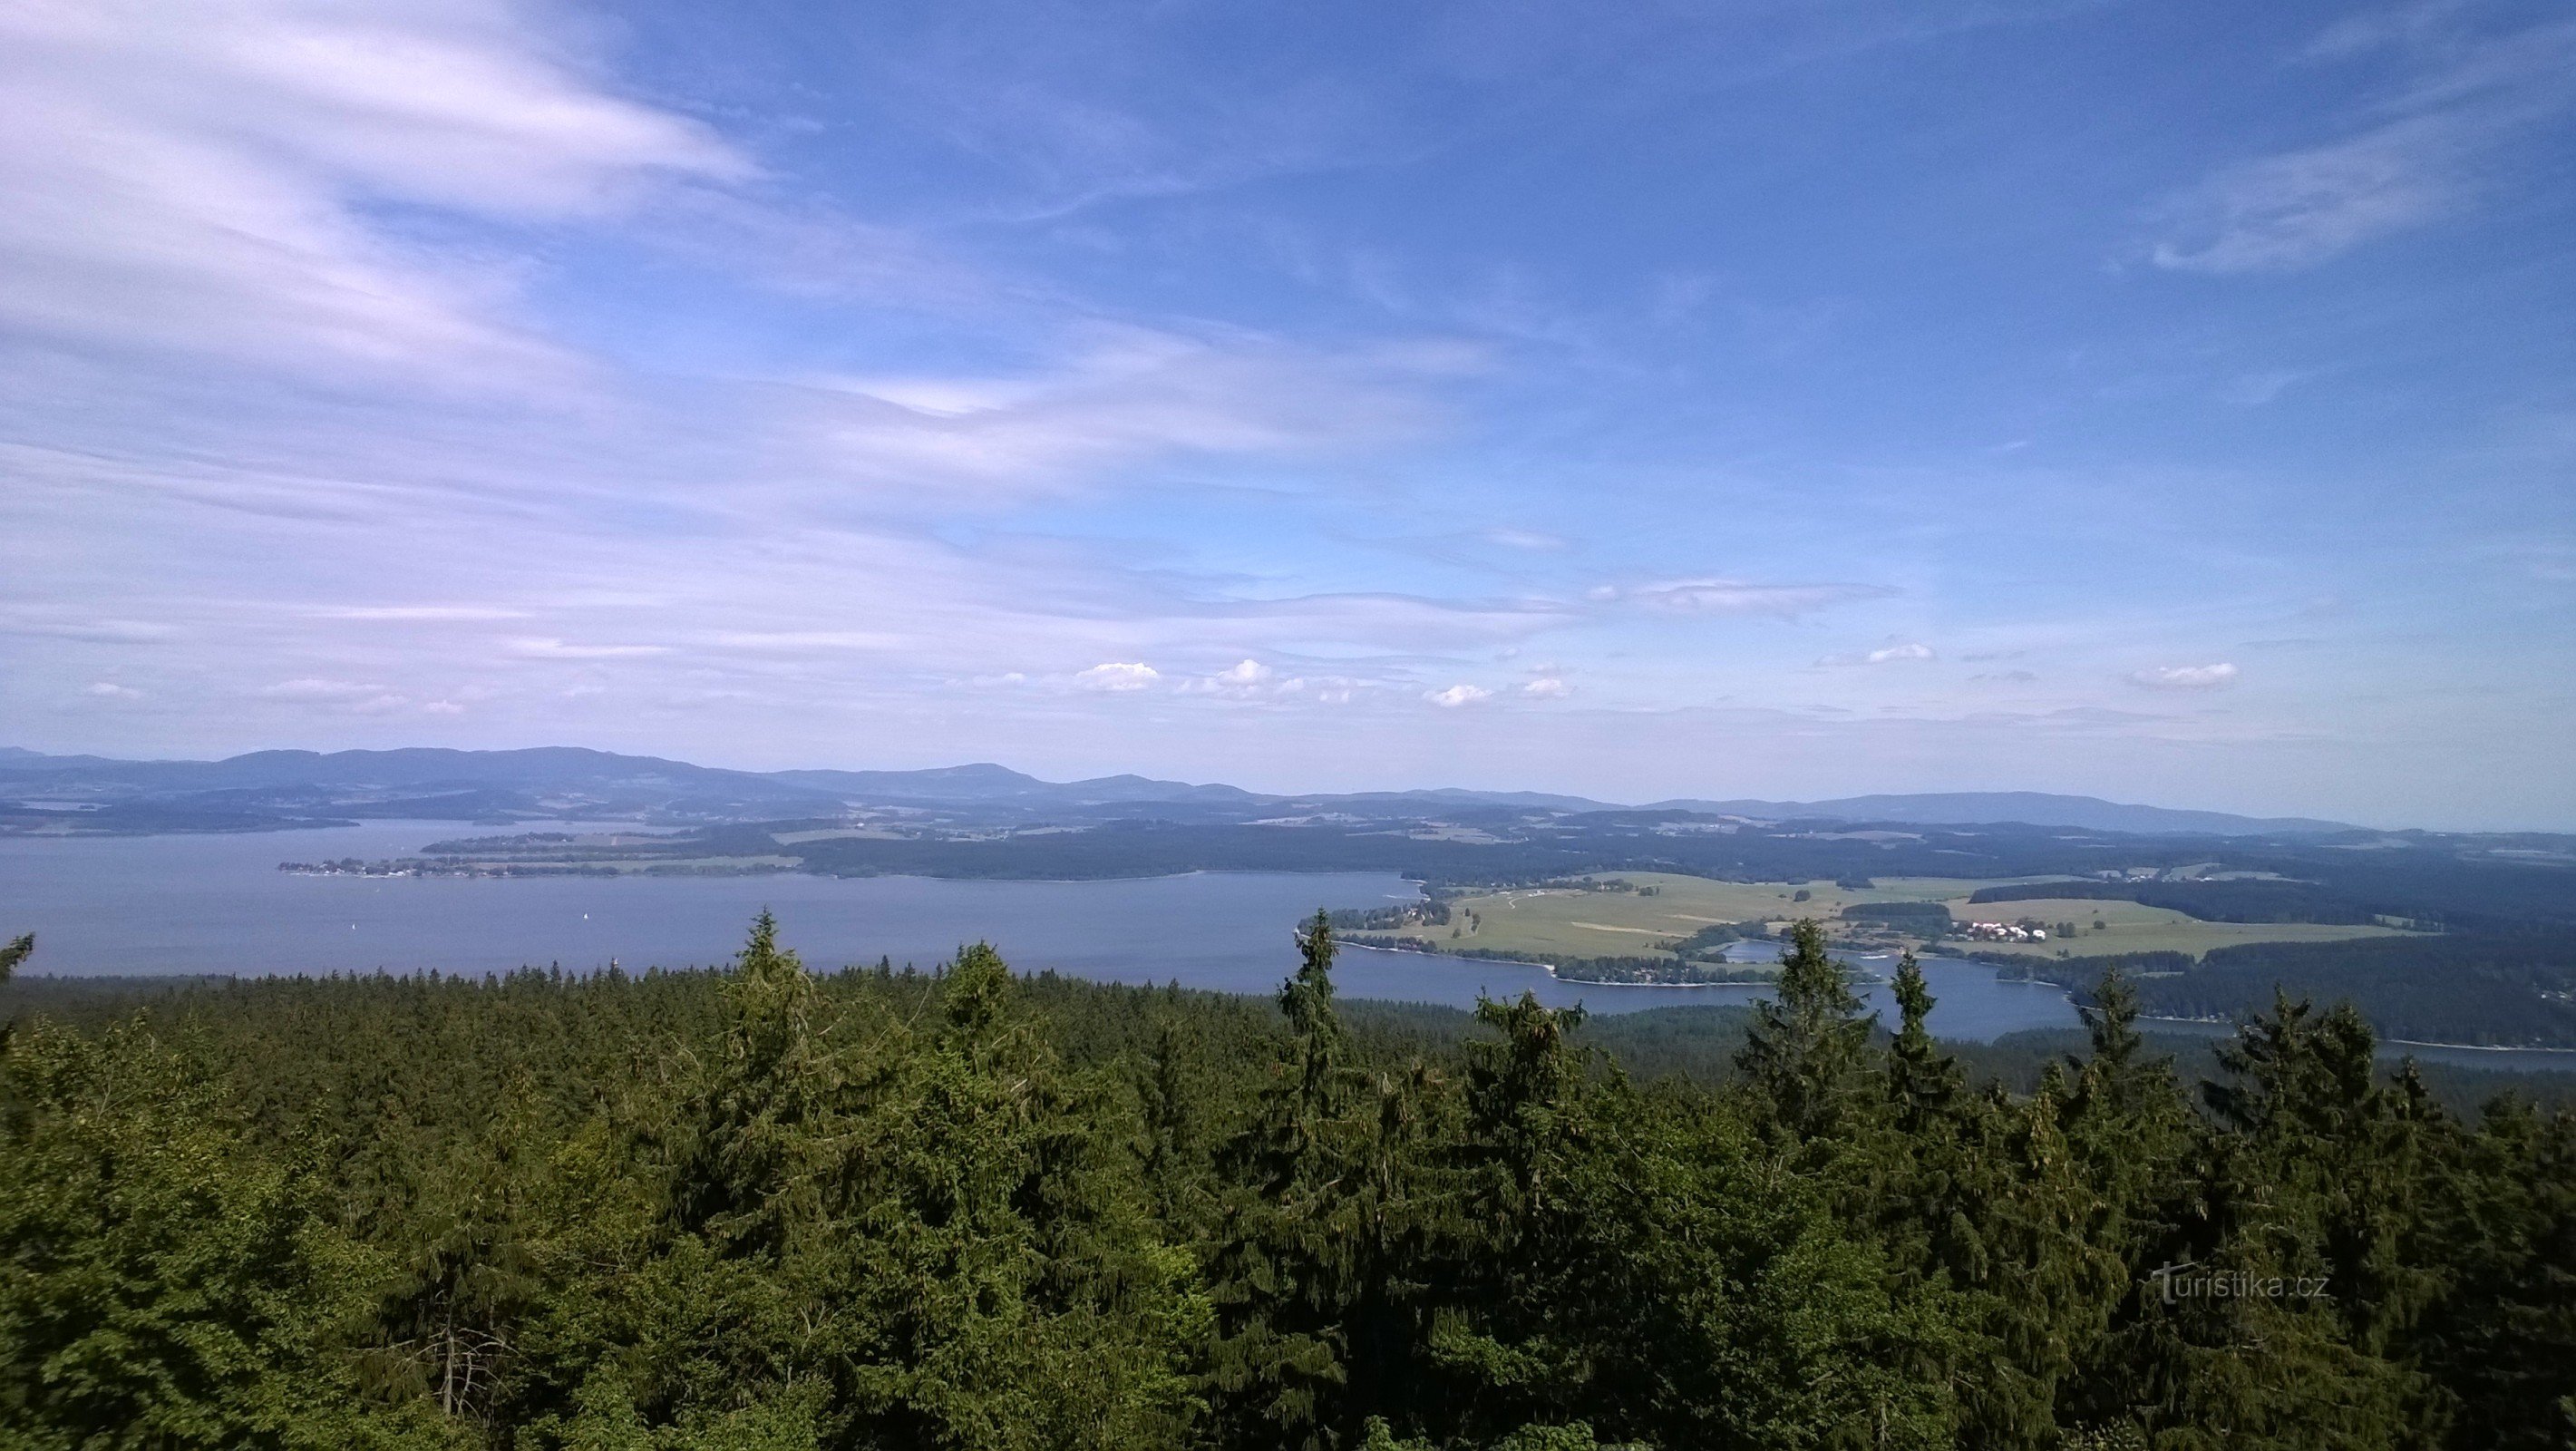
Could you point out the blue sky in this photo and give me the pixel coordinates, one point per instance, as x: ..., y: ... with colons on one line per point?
x: 2172, y: 402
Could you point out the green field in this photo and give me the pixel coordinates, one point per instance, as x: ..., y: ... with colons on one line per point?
x: 1572, y: 922
x: 2135, y: 927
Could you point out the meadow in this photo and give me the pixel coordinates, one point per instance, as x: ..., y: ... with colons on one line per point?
x: 1572, y: 921
x: 1576, y: 922
x: 2136, y: 927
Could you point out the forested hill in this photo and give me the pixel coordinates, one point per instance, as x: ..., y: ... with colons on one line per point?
x: 767, y: 1209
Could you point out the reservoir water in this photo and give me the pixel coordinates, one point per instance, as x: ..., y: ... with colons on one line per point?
x: 165, y: 905
x: 156, y: 905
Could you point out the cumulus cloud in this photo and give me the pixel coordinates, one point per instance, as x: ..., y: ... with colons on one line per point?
x: 1246, y: 680
x: 1118, y: 675
x: 1457, y: 695
x: 2185, y: 677
x: 1547, y: 687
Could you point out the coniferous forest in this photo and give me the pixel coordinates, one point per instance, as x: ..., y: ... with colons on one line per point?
x: 768, y: 1208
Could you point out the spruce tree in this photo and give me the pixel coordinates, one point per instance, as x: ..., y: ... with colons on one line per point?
x: 1804, y: 1055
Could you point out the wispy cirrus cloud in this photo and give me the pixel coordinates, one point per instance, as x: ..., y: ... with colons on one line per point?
x: 48, y: 625
x: 2428, y: 148
x: 1719, y: 596
x: 212, y: 180
x: 1116, y: 397
x: 546, y: 648
x: 418, y: 614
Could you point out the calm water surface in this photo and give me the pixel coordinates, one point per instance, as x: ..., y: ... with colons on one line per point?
x: 198, y: 904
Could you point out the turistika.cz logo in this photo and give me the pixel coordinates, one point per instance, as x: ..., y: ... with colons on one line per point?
x: 2176, y: 1283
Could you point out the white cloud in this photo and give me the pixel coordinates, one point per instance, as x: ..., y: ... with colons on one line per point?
x: 1245, y: 680
x: 207, y: 178
x: 797, y: 641
x: 419, y: 614
x: 2426, y: 150
x: 1743, y: 597
x: 109, y: 690
x: 1117, y: 396
x: 1885, y: 655
x: 2185, y: 677
x: 98, y: 632
x: 1547, y: 688
x: 2294, y: 210
x: 1457, y: 695
x: 1118, y: 675
x: 552, y: 649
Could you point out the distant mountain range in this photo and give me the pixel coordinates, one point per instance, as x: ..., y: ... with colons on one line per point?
x: 271, y: 789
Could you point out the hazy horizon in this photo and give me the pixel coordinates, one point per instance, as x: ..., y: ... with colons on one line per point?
x: 2168, y: 404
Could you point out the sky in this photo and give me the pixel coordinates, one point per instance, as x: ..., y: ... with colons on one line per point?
x: 2173, y: 402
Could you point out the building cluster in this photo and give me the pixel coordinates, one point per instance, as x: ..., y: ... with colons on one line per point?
x: 2005, y: 932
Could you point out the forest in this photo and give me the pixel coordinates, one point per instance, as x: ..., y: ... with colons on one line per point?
x: 773, y: 1208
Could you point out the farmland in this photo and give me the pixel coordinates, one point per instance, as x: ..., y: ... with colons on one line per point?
x: 1570, y: 921
x: 1603, y: 921
x: 2135, y: 927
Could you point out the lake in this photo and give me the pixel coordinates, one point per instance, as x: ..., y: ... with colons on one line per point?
x: 156, y: 905
x: 148, y: 905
